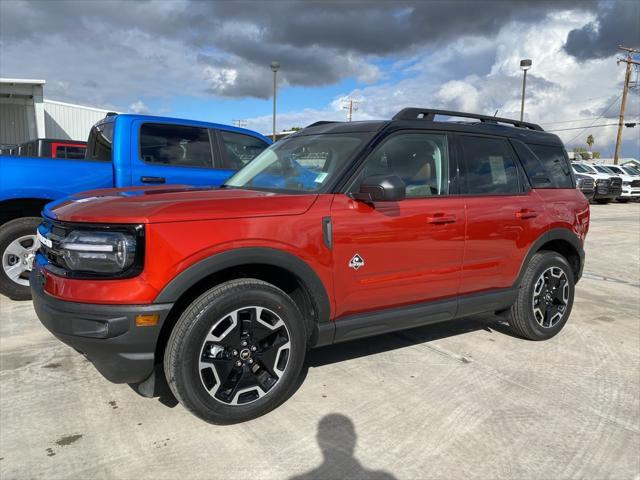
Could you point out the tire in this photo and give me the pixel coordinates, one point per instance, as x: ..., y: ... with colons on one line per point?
x: 534, y: 315
x: 17, y: 239
x: 205, y: 345
x: 603, y: 201
x: 622, y: 200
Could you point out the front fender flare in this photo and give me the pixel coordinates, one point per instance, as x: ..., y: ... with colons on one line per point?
x: 246, y: 256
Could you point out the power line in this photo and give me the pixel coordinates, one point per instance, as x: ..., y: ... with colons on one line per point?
x: 625, y: 89
x: 578, y: 128
x: 350, y: 104
x: 597, y: 118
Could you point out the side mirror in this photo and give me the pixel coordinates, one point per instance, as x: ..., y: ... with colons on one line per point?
x: 381, y: 188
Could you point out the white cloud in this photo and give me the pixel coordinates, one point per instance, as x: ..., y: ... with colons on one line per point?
x: 559, y: 88
x: 138, y: 107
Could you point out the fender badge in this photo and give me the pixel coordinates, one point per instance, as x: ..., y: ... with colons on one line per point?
x: 356, y: 262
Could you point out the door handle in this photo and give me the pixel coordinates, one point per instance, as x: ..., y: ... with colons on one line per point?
x: 440, y: 218
x: 152, y: 179
x: 526, y: 213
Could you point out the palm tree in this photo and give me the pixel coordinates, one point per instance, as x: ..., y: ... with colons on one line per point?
x: 590, y: 141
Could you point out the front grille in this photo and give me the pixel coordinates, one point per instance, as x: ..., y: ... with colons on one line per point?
x: 602, y: 186
x: 55, y: 232
x: 635, y: 183
x: 586, y: 183
x: 616, y: 182
x: 615, y: 187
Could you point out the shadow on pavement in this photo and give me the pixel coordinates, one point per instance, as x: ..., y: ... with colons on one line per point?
x: 337, y: 440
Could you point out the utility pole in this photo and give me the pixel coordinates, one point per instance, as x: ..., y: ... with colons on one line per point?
x: 275, y: 66
x: 625, y: 88
x: 240, y: 123
x: 351, y: 105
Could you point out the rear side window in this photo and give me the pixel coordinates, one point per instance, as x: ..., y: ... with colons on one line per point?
x: 551, y: 164
x: 489, y: 167
x: 240, y: 149
x: 69, y: 152
x: 100, y: 143
x: 175, y: 145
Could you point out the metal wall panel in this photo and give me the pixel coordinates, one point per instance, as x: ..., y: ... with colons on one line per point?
x: 14, y: 127
x: 71, y: 122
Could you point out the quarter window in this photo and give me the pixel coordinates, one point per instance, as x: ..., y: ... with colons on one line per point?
x: 553, y: 165
x: 489, y: 167
x: 100, y: 143
x: 240, y: 149
x: 421, y: 160
x: 175, y: 145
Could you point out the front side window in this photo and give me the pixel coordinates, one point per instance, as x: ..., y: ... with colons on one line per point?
x: 489, y: 167
x: 175, y: 145
x: 421, y: 160
x: 100, y: 142
x: 240, y: 149
x: 300, y: 163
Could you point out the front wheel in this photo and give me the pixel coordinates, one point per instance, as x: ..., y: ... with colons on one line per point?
x: 545, y: 298
x: 18, y: 246
x: 236, y: 351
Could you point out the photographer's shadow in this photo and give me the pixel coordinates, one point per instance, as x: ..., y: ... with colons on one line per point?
x: 337, y: 439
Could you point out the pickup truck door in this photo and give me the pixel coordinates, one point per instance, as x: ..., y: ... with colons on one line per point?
x: 390, y: 254
x: 167, y: 153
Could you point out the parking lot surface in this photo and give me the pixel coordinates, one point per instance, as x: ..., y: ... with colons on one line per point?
x: 455, y: 400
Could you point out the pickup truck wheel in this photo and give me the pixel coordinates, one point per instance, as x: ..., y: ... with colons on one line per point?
x: 545, y: 297
x: 18, y: 247
x: 236, y: 351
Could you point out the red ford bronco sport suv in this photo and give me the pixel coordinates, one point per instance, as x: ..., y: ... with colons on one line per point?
x: 341, y: 231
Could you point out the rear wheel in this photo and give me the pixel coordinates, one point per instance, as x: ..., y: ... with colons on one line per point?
x: 18, y: 246
x: 236, y: 351
x: 545, y: 297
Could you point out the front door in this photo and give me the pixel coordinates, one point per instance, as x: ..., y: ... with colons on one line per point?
x: 397, y: 253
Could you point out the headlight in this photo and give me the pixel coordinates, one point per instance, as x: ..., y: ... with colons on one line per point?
x: 100, y: 252
x: 81, y: 251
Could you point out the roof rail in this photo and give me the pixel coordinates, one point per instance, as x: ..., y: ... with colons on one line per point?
x: 429, y: 114
x: 321, y: 122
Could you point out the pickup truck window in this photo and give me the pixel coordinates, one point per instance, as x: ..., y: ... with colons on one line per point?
x: 240, y: 149
x: 100, y: 143
x: 175, y: 145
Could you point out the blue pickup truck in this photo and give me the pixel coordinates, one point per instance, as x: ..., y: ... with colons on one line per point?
x: 122, y: 151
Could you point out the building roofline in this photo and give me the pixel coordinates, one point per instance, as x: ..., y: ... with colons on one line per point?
x: 56, y: 102
x: 23, y: 81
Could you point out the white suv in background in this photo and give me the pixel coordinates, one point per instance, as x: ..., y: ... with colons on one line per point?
x: 630, y: 183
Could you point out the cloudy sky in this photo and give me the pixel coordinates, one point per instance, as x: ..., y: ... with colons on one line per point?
x: 210, y: 60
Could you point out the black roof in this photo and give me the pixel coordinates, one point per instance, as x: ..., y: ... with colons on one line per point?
x: 423, y: 118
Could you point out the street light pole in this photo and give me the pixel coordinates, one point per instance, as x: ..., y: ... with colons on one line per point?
x: 274, y: 67
x: 524, y: 65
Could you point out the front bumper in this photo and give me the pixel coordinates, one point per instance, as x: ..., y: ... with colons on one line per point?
x: 105, y: 334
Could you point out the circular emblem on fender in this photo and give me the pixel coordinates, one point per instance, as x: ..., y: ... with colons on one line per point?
x: 245, y: 354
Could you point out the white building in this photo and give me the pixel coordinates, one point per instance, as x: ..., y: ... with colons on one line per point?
x: 26, y: 115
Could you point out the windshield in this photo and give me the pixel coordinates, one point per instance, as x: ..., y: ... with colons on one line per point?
x: 602, y: 169
x: 614, y: 169
x: 581, y: 168
x: 631, y: 170
x: 299, y: 163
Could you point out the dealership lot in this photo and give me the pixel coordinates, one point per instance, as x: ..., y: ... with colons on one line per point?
x: 450, y: 400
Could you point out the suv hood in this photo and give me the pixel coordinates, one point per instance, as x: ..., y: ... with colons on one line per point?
x: 174, y: 204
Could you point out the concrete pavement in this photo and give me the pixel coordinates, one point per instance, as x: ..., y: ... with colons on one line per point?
x: 457, y: 400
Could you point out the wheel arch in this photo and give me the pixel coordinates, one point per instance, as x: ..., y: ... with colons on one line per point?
x: 562, y: 241
x: 14, y: 208
x: 286, y: 271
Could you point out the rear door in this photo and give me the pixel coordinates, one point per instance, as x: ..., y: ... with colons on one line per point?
x: 504, y: 215
x: 396, y: 253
